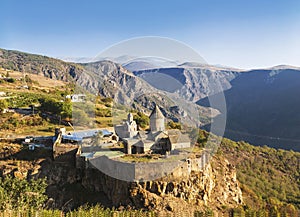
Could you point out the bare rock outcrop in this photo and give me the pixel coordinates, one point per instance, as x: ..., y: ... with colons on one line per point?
x: 213, y: 186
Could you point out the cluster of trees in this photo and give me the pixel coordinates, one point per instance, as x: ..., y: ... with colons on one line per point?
x: 103, y: 112
x: 56, y: 104
x: 80, y: 118
x: 9, y: 65
x: 270, y: 177
x: 84, y: 114
x: 15, y: 121
x: 108, y: 101
x: 8, y: 79
x: 24, y: 99
x: 202, y: 137
x: 20, y: 193
x: 29, y: 81
x: 56, y: 107
x: 287, y: 211
x: 141, y: 119
x: 174, y: 125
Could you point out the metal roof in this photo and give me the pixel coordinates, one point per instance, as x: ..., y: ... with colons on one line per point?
x: 80, y: 135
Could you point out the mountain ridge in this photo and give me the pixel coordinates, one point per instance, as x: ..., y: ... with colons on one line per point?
x: 103, y: 77
x: 260, y: 102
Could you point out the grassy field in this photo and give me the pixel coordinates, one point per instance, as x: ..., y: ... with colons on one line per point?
x: 151, y: 158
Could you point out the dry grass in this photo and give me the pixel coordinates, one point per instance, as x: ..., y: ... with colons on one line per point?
x: 43, y: 81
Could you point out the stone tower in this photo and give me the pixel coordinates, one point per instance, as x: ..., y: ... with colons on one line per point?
x: 157, y: 120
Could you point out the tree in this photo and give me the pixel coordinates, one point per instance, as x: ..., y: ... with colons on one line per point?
x: 174, y: 125
x: 202, y: 137
x: 3, y: 105
x: 55, y: 107
x: 66, y: 109
x: 80, y: 118
x: 141, y: 119
x: 49, y: 105
x: 15, y: 192
x: 28, y: 80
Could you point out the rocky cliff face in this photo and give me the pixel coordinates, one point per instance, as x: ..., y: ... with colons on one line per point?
x: 112, y: 80
x: 191, y: 83
x: 213, y: 186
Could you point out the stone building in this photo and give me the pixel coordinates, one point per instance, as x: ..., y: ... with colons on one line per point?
x: 157, y: 140
x: 128, y: 129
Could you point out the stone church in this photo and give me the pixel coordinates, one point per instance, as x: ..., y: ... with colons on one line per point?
x: 156, y: 140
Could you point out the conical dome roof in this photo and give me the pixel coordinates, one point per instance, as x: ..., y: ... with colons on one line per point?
x: 156, y: 113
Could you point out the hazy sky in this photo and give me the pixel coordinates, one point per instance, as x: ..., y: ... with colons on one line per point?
x: 239, y: 33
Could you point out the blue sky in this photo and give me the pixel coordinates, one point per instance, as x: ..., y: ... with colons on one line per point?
x: 245, y: 34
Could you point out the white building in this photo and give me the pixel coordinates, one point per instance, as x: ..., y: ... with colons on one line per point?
x: 77, y: 97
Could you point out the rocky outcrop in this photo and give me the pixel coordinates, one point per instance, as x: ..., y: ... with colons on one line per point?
x: 213, y: 186
x: 112, y: 80
x: 194, y: 184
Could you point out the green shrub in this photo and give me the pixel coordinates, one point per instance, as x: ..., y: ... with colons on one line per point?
x: 53, y: 106
x: 174, y: 125
x: 11, y: 80
x: 16, y: 193
x: 3, y: 105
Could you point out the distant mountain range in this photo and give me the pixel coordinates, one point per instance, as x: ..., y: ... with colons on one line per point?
x: 262, y: 104
x: 263, y: 107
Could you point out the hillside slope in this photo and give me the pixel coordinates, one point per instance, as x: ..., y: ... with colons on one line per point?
x: 105, y: 78
x: 262, y: 108
x: 40, y: 65
x: 268, y: 177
